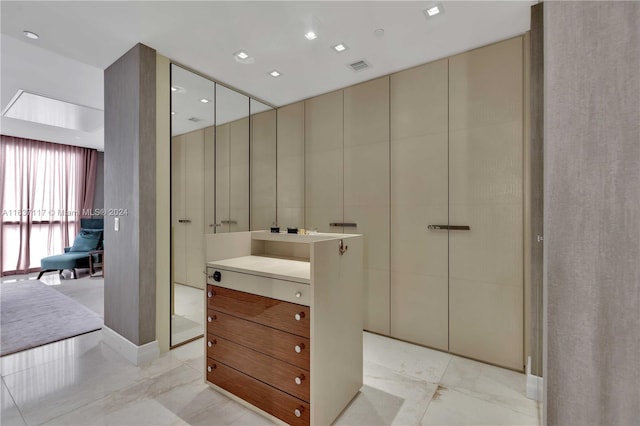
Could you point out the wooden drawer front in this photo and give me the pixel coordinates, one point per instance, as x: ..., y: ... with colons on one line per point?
x: 288, y: 291
x: 275, y: 313
x: 267, y: 340
x: 262, y: 367
x: 261, y: 395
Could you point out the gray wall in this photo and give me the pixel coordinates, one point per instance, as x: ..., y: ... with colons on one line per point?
x: 129, y: 166
x: 592, y: 212
x: 98, y: 194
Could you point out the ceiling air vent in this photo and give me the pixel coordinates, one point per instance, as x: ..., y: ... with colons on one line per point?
x: 359, y: 65
x: 195, y: 119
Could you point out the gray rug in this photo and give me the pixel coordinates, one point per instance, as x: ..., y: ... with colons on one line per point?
x: 33, y: 314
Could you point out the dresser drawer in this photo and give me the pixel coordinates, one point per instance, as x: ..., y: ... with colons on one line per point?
x: 288, y: 291
x: 279, y: 374
x: 278, y: 344
x: 275, y: 402
x: 275, y: 313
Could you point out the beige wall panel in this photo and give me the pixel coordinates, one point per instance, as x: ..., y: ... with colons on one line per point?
x: 209, y: 180
x: 416, y: 318
x: 222, y: 178
x: 485, y: 85
x: 486, y: 193
x: 366, y: 175
x: 419, y: 173
x: 263, y: 169
x: 239, y: 175
x: 376, y: 300
x: 366, y: 113
x: 178, y: 208
x: 291, y: 165
x: 324, y: 162
x: 419, y: 101
x: 490, y: 329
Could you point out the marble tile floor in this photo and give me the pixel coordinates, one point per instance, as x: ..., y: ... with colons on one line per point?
x: 187, y: 321
x: 82, y: 381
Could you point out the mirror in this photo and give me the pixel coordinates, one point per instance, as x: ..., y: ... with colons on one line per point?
x: 192, y: 117
x: 263, y: 166
x: 232, y: 161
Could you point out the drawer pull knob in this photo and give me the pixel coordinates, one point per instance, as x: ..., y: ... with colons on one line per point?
x: 211, y: 342
x: 298, y: 411
x: 299, y: 379
x: 299, y: 316
x: 299, y: 347
x: 211, y: 368
x: 298, y: 295
x: 210, y: 319
x: 209, y: 294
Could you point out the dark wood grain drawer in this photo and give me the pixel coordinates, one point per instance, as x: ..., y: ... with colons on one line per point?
x: 285, y: 316
x: 286, y: 377
x: 275, y: 402
x: 278, y: 344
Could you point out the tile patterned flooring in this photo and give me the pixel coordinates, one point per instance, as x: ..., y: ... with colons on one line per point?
x: 82, y: 381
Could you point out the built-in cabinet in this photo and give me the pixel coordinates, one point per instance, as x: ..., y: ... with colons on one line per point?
x: 290, y: 165
x: 263, y: 169
x: 188, y: 166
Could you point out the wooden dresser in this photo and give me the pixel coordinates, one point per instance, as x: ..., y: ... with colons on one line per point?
x: 284, y: 322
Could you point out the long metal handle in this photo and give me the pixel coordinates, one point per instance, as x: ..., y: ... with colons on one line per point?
x: 450, y: 227
x: 229, y: 222
x: 184, y: 221
x: 344, y: 224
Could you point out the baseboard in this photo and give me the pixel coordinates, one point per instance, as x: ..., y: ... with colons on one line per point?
x: 534, y: 384
x: 135, y: 354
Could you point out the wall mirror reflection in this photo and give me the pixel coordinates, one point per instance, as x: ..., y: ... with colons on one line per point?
x: 263, y: 165
x: 192, y: 121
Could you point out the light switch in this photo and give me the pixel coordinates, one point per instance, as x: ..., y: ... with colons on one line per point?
x: 116, y: 224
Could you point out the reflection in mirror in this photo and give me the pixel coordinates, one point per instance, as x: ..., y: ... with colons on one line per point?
x: 290, y: 136
x: 232, y: 161
x: 263, y: 166
x: 192, y: 117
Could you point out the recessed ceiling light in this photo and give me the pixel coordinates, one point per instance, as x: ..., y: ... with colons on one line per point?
x: 275, y: 73
x: 241, y: 54
x: 433, y: 10
x: 31, y: 35
x: 311, y: 35
x: 204, y: 100
x: 173, y: 89
x: 341, y: 47
x: 173, y: 113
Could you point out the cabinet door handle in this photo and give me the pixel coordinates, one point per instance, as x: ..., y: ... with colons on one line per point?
x: 344, y: 224
x: 299, y: 379
x: 298, y: 411
x: 298, y: 294
x: 211, y: 318
x: 299, y: 348
x: 211, y: 368
x: 450, y: 227
x: 210, y: 343
x: 299, y: 316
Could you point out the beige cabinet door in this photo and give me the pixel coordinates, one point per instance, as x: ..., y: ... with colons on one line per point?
x: 239, y: 175
x: 419, y: 197
x: 263, y: 169
x: 222, y: 178
x: 290, y: 167
x: 366, y: 190
x: 209, y: 180
x: 323, y: 162
x: 486, y: 193
x: 178, y: 202
x: 194, y: 207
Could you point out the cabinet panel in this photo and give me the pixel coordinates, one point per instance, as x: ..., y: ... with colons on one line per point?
x: 194, y: 208
x: 263, y: 169
x: 486, y: 144
x: 222, y: 178
x: 239, y: 175
x: 323, y: 161
x: 209, y: 180
x: 291, y: 165
x: 178, y: 208
x: 419, y: 197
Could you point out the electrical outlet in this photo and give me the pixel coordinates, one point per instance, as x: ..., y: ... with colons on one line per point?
x: 116, y: 224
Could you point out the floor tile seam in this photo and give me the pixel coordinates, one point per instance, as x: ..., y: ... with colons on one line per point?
x: 404, y: 375
x: 15, y: 404
x: 53, y: 419
x: 478, y: 396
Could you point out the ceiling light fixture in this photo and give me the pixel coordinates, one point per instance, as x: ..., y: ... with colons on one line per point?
x: 31, y: 35
x: 173, y: 89
x: 311, y: 35
x: 433, y: 10
x: 173, y: 113
x: 204, y: 100
x: 341, y: 47
x: 275, y: 73
x: 241, y: 54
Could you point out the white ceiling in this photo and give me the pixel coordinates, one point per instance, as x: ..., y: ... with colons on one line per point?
x: 85, y: 37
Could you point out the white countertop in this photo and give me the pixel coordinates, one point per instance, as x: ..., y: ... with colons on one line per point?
x: 270, y: 267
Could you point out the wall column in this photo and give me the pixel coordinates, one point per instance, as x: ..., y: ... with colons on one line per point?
x: 592, y: 212
x: 130, y: 191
